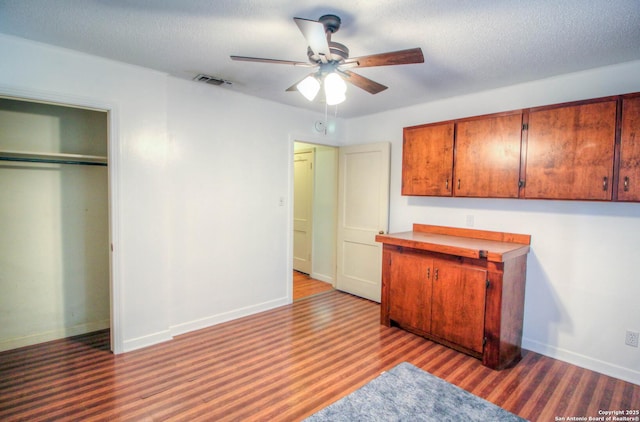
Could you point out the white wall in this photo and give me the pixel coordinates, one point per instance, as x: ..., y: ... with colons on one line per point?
x: 196, y: 176
x: 231, y: 162
x: 325, y: 206
x: 582, y: 282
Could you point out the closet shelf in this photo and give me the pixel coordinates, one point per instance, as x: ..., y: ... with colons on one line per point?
x: 51, y: 157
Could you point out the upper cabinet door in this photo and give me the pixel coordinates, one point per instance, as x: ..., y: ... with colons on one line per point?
x: 427, y: 160
x: 570, y: 152
x: 487, y: 159
x: 629, y: 176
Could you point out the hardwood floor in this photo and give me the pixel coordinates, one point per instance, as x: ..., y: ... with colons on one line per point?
x: 305, y: 286
x: 280, y: 365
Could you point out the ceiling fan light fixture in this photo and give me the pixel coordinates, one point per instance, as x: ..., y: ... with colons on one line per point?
x: 334, y: 89
x: 309, y: 87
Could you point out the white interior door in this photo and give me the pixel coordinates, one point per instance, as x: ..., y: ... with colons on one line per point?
x: 302, y: 210
x: 363, y: 212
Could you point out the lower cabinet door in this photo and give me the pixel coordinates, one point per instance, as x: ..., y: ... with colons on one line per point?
x: 458, y: 304
x: 409, y: 288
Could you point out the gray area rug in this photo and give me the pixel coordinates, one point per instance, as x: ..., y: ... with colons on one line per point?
x: 407, y: 393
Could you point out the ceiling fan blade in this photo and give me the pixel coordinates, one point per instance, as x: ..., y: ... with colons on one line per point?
x: 294, y: 87
x: 275, y: 61
x: 360, y: 81
x: 412, y: 55
x: 313, y: 32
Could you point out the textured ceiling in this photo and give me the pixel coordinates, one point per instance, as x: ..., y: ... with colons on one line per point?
x: 469, y: 45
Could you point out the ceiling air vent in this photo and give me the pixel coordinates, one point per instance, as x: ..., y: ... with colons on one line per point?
x: 211, y: 80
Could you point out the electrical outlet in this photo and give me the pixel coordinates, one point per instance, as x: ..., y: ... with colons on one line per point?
x: 470, y: 221
x: 632, y: 338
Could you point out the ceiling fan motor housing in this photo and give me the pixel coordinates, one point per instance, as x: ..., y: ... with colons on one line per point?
x: 339, y: 53
x: 331, y: 23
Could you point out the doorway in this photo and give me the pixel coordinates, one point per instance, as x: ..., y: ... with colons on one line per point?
x: 322, y: 194
x: 359, y: 211
x: 54, y: 216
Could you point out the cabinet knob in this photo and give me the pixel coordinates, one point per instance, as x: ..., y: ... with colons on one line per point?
x: 626, y: 183
x: 381, y: 232
x: 605, y: 183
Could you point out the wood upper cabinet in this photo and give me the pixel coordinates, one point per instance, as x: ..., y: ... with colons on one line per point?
x: 629, y: 176
x: 570, y: 152
x: 585, y: 150
x: 487, y: 156
x: 427, y: 160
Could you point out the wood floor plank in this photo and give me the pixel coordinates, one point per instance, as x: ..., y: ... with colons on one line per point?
x: 305, y: 286
x: 279, y: 365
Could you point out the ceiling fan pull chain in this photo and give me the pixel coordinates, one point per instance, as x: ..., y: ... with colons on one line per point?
x: 326, y: 117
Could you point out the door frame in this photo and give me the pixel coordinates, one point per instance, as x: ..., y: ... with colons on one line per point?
x: 306, y: 139
x: 113, y: 190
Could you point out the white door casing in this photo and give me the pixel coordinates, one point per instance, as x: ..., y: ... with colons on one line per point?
x: 363, y: 212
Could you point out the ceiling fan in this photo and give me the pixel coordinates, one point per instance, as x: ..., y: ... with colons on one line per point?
x: 333, y: 63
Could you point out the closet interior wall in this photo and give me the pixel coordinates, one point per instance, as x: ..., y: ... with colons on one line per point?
x: 54, y: 222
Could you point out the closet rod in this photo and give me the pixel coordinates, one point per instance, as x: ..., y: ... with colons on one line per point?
x: 52, y: 161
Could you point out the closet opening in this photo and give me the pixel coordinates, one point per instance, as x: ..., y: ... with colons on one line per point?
x: 55, y: 270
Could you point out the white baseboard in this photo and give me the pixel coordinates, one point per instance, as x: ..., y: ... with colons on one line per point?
x: 607, y: 368
x: 63, y: 332
x: 322, y: 277
x: 148, y: 340
x: 225, y: 316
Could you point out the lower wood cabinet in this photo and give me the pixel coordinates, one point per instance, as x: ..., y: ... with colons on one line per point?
x: 460, y: 287
x: 410, y: 288
x: 458, y: 298
x: 440, y: 296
